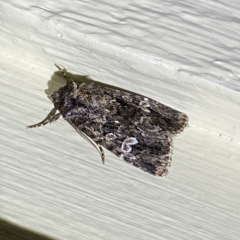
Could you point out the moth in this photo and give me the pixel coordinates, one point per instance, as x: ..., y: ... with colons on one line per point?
x: 135, y: 128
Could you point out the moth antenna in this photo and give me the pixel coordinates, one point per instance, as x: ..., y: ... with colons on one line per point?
x: 98, y: 147
x: 64, y: 74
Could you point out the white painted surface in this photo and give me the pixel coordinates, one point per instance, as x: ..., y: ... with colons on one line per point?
x: 185, y: 55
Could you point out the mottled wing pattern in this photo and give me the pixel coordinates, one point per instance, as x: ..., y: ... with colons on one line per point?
x: 135, y: 128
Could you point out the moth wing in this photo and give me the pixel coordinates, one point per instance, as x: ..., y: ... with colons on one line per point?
x: 166, y: 117
x: 149, y: 151
x: 174, y: 120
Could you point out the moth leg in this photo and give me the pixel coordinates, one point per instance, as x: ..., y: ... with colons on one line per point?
x: 51, y: 117
x: 98, y: 147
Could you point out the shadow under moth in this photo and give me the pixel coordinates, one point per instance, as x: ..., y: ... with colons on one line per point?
x: 136, y: 128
